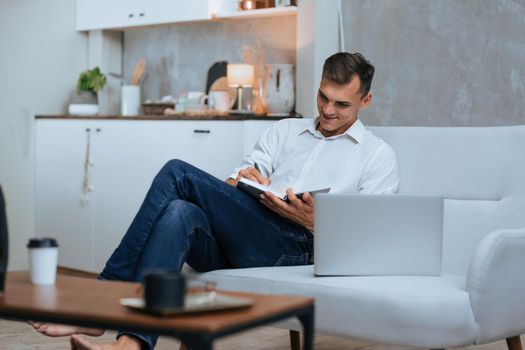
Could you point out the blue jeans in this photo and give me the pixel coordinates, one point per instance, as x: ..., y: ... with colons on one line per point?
x: 190, y: 216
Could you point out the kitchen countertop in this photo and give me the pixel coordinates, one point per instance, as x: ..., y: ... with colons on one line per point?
x: 169, y: 117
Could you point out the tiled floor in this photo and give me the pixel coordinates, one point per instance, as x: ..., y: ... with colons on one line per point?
x: 20, y: 336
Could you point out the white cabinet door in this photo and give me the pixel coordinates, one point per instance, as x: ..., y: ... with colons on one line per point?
x: 104, y: 14
x: 213, y: 146
x: 172, y: 11
x: 120, y: 14
x: 126, y: 157
x: 61, y: 147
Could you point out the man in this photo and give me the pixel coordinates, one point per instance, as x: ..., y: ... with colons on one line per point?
x: 190, y: 216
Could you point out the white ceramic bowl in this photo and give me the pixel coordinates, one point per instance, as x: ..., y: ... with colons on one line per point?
x: 83, y: 109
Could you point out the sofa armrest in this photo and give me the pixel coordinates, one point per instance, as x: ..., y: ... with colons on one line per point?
x: 496, y: 285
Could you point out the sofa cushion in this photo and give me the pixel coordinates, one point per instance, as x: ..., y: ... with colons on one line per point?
x: 408, y: 318
x: 478, y: 170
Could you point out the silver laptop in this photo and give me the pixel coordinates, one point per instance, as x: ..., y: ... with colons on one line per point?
x: 358, y: 234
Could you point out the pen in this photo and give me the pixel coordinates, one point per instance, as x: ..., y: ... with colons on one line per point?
x: 256, y: 166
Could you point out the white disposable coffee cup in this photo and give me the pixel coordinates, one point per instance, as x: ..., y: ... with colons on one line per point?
x: 43, y: 255
x: 130, y: 100
x: 219, y: 100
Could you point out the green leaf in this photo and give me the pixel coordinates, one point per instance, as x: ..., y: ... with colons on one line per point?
x: 91, y: 80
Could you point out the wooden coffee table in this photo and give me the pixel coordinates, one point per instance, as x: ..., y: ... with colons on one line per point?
x: 93, y: 303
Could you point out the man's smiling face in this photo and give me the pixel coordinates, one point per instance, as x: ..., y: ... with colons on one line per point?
x: 339, y: 105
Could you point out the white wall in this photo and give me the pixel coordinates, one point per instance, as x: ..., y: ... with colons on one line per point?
x: 41, y: 56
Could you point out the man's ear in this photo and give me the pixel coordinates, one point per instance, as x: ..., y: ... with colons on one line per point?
x: 365, y: 102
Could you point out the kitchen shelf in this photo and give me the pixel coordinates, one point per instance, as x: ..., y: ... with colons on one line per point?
x: 259, y: 13
x: 170, y: 117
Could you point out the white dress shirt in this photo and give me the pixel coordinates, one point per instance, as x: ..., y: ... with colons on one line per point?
x: 296, y: 155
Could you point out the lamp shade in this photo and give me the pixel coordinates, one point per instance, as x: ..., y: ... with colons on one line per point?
x: 240, y: 74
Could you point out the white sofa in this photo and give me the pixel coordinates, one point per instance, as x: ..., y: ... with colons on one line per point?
x: 480, y: 296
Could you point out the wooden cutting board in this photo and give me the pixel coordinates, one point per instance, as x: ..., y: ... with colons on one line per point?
x: 217, y: 70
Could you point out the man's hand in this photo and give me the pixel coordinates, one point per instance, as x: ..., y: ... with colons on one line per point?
x: 300, y: 211
x: 250, y: 174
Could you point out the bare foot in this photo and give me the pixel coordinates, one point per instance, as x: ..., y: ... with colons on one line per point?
x: 60, y: 330
x: 123, y: 343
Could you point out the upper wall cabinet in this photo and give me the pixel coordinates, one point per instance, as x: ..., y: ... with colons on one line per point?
x: 121, y: 14
x: 124, y: 14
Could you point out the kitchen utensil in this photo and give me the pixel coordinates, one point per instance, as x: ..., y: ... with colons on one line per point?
x: 216, y: 71
x: 82, y: 109
x: 221, y: 84
x: 219, y: 100
x: 156, y: 108
x: 138, y: 71
x: 130, y: 100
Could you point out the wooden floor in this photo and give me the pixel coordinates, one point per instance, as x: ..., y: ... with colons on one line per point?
x: 15, y: 335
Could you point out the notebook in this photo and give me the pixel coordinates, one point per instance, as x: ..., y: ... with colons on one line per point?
x: 255, y: 189
x: 357, y: 234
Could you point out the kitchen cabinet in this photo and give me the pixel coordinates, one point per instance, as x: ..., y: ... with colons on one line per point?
x: 213, y: 146
x: 120, y: 14
x: 61, y: 148
x: 123, y: 14
x: 92, y: 175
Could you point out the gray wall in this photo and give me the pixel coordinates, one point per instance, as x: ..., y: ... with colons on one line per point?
x: 441, y: 62
x: 178, y: 57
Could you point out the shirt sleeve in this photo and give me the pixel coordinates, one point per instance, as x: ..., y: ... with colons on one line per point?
x: 381, y: 176
x: 263, y: 152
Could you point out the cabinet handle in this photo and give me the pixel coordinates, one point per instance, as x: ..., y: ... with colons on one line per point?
x: 201, y: 131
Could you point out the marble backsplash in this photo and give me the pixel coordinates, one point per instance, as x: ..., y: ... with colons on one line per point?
x: 178, y: 57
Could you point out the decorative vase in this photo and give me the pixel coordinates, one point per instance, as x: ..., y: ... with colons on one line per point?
x: 84, y: 103
x: 279, y: 88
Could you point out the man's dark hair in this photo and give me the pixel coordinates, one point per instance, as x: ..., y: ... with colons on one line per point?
x: 341, y: 67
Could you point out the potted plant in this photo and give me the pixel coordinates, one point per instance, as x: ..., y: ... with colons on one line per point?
x: 90, y: 82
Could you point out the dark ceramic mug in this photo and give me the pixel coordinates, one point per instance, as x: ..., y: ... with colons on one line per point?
x: 164, y: 289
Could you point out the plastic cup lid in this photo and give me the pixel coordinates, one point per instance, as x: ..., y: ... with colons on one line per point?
x: 42, y: 243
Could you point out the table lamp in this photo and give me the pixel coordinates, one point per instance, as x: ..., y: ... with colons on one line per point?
x: 240, y: 76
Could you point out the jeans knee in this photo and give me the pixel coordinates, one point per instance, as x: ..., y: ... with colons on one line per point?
x: 176, y: 220
x: 178, y: 209
x: 174, y: 165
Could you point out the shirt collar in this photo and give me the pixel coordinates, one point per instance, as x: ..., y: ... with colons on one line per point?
x: 356, y: 131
